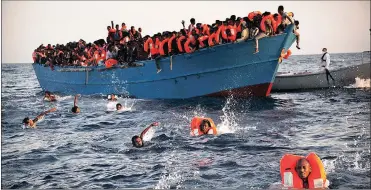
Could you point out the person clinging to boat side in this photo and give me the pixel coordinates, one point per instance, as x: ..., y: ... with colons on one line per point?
x: 137, y: 141
x: 75, y: 108
x: 202, y: 126
x: 32, y: 122
x: 49, y: 97
x: 326, y: 59
x: 303, y: 172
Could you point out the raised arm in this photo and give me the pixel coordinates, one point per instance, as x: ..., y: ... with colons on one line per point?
x: 146, y: 129
x: 75, y: 101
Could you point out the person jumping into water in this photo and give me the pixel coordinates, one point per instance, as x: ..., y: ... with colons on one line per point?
x: 137, y: 141
x: 202, y: 126
x: 75, y: 108
x: 32, y: 123
x: 326, y: 58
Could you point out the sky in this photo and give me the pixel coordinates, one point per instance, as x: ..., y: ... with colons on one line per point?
x: 341, y: 26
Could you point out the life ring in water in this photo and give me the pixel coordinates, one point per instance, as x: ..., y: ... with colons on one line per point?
x: 197, y: 124
x: 290, y: 178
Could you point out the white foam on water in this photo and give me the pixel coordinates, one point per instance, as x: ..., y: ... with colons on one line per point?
x: 149, y: 135
x: 229, y: 120
x: 111, y: 106
x: 362, y: 83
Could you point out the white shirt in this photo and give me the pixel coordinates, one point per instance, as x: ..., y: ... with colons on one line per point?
x: 327, y: 58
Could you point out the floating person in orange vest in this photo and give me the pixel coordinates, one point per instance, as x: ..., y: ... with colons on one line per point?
x: 75, y: 108
x: 202, y: 126
x: 303, y: 172
x: 32, y: 123
x: 137, y: 141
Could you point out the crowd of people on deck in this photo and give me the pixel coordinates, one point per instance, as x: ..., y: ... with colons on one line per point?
x: 125, y: 46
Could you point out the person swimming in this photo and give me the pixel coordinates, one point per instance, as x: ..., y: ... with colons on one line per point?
x: 75, y: 108
x: 49, y: 96
x: 119, y: 106
x: 32, y: 123
x: 137, y: 141
x: 112, y: 98
x: 202, y: 126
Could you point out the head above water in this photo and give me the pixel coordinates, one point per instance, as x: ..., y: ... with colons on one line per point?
x: 137, y: 141
x: 26, y: 121
x: 75, y: 109
x: 118, y: 106
x: 303, y: 168
x: 205, y: 126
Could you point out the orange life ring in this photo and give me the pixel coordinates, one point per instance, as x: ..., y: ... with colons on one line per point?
x: 290, y: 178
x: 283, y: 55
x: 195, y: 126
x: 110, y: 62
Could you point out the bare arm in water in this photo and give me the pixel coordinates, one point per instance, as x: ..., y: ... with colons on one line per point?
x: 75, y: 101
x: 146, y: 129
x: 44, y: 113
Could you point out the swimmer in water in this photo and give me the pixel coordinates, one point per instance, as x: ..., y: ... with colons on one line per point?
x: 112, y: 98
x: 138, y: 140
x: 32, y: 123
x: 119, y: 107
x: 49, y: 96
x: 75, y: 108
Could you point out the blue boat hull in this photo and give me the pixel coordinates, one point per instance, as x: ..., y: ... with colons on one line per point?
x: 217, y: 71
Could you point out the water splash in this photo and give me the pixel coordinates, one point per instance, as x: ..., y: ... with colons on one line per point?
x: 229, y: 120
x: 362, y: 83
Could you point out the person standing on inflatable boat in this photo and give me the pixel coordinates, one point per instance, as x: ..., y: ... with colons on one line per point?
x: 202, y: 126
x: 137, y: 141
x: 303, y: 172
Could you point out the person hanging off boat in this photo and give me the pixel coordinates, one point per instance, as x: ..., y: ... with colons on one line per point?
x: 137, y: 141
x: 75, y: 108
x: 286, y: 19
x: 326, y: 59
x: 32, y: 123
x: 303, y: 172
x: 202, y: 126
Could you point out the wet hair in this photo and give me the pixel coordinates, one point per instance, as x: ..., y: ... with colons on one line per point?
x: 25, y: 120
x: 202, y: 125
x: 118, y: 105
x: 280, y: 8
x: 134, y: 142
x: 74, y: 109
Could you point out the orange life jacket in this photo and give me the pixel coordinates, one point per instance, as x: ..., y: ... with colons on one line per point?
x: 233, y: 35
x: 195, y: 126
x: 161, y: 46
x: 211, y: 39
x: 269, y: 17
x: 146, y: 44
x: 179, y: 43
x: 205, y: 30
x: 202, y: 39
x: 290, y: 178
x: 188, y: 49
x: 110, y: 62
x: 169, y: 43
x: 224, y: 33
x: 253, y: 14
